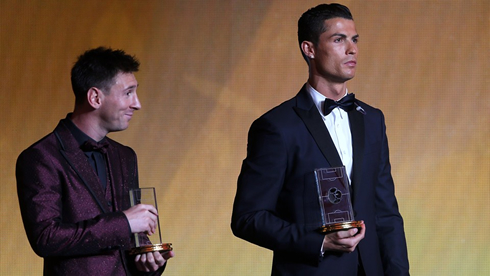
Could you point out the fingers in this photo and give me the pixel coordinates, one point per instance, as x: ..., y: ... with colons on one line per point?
x: 347, y: 234
x: 151, y: 225
x: 168, y: 254
x: 140, y: 263
x: 145, y: 208
x: 142, y: 218
x: 159, y: 259
x: 151, y: 261
x: 344, y: 241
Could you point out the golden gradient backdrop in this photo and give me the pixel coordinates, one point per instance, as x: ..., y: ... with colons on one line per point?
x: 209, y: 68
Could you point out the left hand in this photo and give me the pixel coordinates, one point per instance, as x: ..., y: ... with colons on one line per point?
x: 152, y: 261
x: 345, y: 240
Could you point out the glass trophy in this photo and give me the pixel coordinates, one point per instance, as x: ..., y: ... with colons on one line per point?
x: 146, y: 243
x: 335, y: 202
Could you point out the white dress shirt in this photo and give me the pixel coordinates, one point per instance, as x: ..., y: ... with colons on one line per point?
x: 337, y: 123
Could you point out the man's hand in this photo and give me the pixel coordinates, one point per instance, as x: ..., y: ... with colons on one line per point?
x: 152, y: 261
x: 142, y: 218
x: 344, y: 241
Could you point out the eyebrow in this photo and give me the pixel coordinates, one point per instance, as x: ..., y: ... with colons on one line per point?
x: 132, y: 87
x: 343, y: 35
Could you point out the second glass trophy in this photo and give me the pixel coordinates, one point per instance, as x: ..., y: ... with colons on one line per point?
x: 335, y: 202
x: 144, y: 242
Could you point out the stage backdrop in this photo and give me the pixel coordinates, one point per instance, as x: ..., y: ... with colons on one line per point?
x: 209, y: 68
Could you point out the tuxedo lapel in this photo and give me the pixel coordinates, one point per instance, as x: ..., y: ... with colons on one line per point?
x: 356, y: 120
x: 119, y: 174
x: 78, y: 162
x: 308, y: 112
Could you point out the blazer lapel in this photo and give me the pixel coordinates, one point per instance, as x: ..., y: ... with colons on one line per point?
x: 78, y: 162
x: 308, y: 112
x: 117, y: 175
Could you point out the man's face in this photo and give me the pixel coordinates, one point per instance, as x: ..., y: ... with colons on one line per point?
x: 119, y: 103
x: 335, y: 56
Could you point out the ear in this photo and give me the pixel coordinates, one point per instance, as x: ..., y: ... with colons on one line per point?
x: 308, y: 49
x: 94, y: 97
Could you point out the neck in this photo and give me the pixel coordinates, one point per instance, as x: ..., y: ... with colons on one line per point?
x: 334, y: 91
x: 88, y: 124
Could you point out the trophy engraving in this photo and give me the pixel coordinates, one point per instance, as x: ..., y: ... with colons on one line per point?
x: 145, y: 243
x: 335, y: 202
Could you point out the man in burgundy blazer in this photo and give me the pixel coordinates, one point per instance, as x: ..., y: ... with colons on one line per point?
x: 79, y: 220
x: 276, y: 204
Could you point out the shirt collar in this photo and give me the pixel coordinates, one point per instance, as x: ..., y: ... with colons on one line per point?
x: 318, y: 98
x: 79, y: 135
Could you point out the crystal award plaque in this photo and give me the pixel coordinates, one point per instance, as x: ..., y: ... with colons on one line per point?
x: 335, y: 202
x: 146, y: 243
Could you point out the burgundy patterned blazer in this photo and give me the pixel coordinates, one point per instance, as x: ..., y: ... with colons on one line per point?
x: 70, y: 220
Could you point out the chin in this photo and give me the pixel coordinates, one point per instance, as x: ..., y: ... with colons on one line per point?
x: 119, y: 128
x: 349, y: 77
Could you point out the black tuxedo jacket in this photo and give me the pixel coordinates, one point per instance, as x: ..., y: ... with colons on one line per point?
x: 276, y: 204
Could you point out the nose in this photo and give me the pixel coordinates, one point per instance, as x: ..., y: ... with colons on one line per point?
x: 351, y: 48
x: 136, y: 102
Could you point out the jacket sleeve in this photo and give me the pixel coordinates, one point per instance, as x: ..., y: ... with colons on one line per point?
x: 260, y: 185
x: 389, y: 222
x: 51, y: 227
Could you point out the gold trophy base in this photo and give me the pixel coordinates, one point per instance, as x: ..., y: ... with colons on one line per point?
x: 340, y: 226
x: 151, y: 248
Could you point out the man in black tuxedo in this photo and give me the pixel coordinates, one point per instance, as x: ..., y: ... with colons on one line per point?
x: 276, y: 204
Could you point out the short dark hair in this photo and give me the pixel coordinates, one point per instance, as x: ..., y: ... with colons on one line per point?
x: 97, y: 68
x: 312, y: 23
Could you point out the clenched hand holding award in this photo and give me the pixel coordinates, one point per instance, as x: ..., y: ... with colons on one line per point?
x: 144, y: 242
x: 335, y: 202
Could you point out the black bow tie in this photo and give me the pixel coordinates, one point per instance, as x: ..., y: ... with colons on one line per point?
x: 346, y: 103
x: 91, y: 145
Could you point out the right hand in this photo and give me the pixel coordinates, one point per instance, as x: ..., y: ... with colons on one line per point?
x: 152, y: 261
x: 344, y: 241
x: 142, y: 218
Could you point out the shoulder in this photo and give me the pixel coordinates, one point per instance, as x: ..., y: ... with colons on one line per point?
x: 279, y: 115
x: 372, y: 113
x: 123, y: 149
x: 47, y: 144
x: 368, y: 107
x: 280, y: 125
